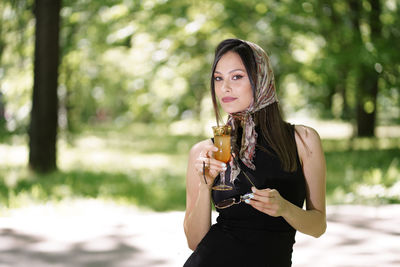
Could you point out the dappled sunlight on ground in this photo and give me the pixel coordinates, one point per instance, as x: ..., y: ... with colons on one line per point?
x: 118, y: 153
x: 92, y: 153
x: 145, y: 164
x: 326, y: 129
x: 13, y: 155
x: 105, y: 160
x: 357, y: 236
x: 388, y: 131
x: 97, y: 233
x: 95, y: 153
x: 54, y: 220
x: 90, y: 233
x: 342, y: 130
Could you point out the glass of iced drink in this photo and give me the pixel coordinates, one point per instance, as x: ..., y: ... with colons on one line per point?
x: 222, y: 140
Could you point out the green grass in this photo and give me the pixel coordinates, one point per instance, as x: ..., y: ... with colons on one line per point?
x: 145, y: 165
x: 166, y: 193
x: 363, y: 170
x: 351, y: 173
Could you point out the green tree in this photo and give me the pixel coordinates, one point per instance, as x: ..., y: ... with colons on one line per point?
x: 126, y: 61
x: 367, y: 86
x: 358, y: 64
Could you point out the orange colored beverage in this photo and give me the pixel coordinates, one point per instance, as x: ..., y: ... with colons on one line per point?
x: 222, y: 140
x: 223, y: 143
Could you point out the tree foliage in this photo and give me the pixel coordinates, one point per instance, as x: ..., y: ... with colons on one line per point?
x: 149, y: 60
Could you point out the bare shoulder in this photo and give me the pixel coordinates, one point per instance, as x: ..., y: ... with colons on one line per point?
x: 307, y: 133
x: 308, y: 140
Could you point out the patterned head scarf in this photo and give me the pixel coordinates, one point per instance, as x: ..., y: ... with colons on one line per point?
x: 264, y: 95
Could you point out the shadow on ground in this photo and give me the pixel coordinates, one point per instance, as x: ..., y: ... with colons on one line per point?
x: 19, y: 249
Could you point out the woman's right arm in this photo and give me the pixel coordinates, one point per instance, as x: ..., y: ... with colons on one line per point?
x: 198, y: 193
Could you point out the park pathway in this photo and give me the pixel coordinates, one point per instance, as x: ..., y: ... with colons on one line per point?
x: 91, y: 233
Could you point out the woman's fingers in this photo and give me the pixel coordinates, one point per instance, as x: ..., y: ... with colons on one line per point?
x: 263, y: 204
x: 212, y: 168
x: 211, y: 163
x: 209, y: 149
x: 259, y: 201
x: 207, y: 165
x: 206, y: 155
x: 264, y: 196
x: 267, y: 192
x: 268, y: 201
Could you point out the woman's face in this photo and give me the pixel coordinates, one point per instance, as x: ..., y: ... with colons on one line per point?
x: 232, y: 84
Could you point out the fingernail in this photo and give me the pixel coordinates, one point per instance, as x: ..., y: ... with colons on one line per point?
x: 251, y: 195
x: 253, y: 189
x: 247, y: 201
x: 223, y: 165
x: 224, y: 168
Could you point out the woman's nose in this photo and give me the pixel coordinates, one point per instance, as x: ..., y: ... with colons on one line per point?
x: 226, y: 86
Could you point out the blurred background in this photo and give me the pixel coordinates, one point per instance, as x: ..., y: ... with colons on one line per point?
x: 102, y: 100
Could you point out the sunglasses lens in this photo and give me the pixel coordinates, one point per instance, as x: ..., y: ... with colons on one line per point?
x: 225, y: 203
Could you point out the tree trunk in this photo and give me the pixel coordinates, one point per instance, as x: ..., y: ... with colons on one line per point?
x: 342, y: 89
x: 366, y: 117
x: 367, y: 90
x: 44, y: 114
x: 366, y: 102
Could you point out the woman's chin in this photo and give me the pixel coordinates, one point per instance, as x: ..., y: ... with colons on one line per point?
x: 232, y: 110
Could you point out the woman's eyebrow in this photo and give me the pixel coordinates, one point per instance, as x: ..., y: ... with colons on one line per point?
x: 229, y: 71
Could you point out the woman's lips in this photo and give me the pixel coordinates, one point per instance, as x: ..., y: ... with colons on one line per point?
x: 228, y: 99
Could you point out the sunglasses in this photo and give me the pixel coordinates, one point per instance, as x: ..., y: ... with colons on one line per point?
x: 226, y: 203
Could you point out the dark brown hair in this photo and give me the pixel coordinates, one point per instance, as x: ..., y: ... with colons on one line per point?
x: 277, y: 133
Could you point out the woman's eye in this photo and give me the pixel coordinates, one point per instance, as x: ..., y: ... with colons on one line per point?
x: 217, y: 78
x: 237, y: 77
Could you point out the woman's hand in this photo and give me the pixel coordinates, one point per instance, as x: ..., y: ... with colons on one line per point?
x: 268, y: 201
x: 212, y: 166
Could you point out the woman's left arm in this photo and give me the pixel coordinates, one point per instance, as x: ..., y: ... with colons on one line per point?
x: 311, y: 221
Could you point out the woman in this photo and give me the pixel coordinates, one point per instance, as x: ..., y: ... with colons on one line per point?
x: 280, y: 164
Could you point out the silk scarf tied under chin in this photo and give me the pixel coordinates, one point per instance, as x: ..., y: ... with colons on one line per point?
x: 264, y: 95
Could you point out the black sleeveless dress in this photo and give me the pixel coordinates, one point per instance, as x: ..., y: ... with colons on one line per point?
x: 244, y: 236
